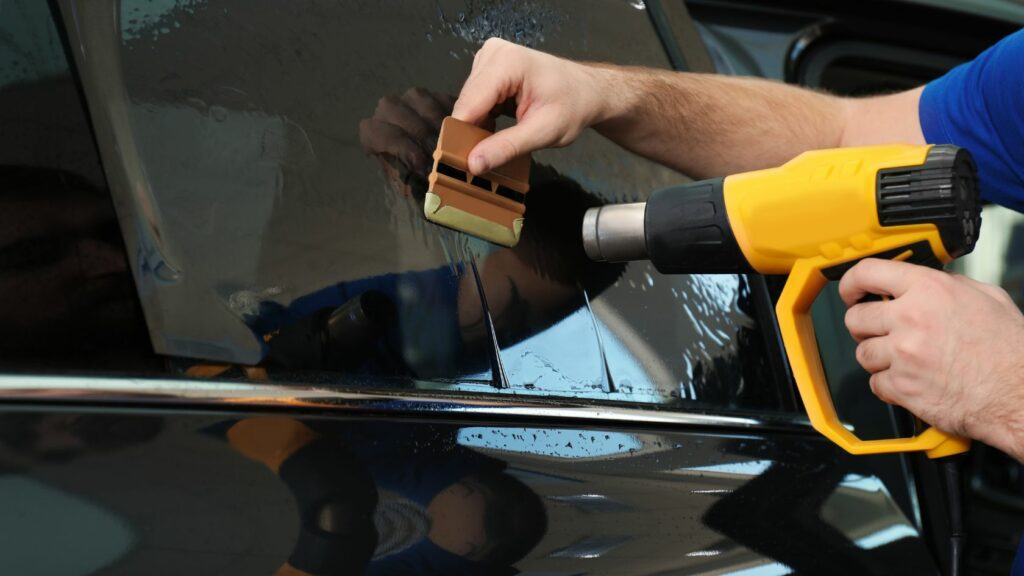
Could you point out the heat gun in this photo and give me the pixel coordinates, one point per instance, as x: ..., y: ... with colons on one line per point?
x: 812, y: 218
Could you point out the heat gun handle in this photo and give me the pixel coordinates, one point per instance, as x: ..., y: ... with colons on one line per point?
x: 806, y: 280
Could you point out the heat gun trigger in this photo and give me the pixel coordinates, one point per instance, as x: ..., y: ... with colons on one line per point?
x: 919, y: 253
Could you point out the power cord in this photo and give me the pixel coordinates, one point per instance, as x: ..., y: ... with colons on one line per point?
x: 950, y: 470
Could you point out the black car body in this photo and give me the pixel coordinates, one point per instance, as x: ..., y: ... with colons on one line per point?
x: 234, y: 347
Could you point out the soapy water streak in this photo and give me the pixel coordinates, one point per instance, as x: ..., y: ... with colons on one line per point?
x: 712, y: 307
x: 522, y: 22
x: 153, y: 18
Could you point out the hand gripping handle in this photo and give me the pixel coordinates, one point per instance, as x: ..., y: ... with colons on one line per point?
x: 806, y: 280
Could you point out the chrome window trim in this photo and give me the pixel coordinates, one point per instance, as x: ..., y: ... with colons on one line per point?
x: 16, y: 389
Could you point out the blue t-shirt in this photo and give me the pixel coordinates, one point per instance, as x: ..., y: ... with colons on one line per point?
x: 980, y: 106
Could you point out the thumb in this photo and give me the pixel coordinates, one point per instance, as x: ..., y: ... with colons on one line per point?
x: 501, y: 147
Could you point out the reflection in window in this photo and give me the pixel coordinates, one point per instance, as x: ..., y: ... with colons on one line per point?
x: 287, y: 177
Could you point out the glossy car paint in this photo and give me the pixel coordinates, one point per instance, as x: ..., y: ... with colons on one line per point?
x: 160, y: 489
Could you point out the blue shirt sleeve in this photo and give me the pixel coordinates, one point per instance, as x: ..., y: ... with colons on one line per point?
x: 979, y: 105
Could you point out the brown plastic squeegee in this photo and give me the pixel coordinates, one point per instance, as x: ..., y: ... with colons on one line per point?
x: 489, y: 206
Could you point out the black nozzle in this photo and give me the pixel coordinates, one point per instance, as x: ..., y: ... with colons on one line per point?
x: 688, y: 231
x: 942, y: 191
x: 681, y: 229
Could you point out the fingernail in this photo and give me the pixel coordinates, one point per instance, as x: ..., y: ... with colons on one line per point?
x: 478, y: 164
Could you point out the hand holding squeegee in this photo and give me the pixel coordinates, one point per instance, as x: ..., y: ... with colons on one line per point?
x: 491, y: 205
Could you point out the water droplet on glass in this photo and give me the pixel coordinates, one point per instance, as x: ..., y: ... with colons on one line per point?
x: 638, y: 4
x: 650, y: 279
x: 219, y: 114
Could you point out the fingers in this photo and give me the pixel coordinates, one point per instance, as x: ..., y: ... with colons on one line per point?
x: 880, y: 386
x: 883, y: 277
x: 431, y: 107
x: 487, y: 85
x: 875, y: 354
x: 379, y: 137
x: 868, y: 319
x: 395, y: 111
x: 531, y: 134
x: 480, y: 94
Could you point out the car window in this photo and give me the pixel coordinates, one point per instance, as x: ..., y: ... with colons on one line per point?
x: 66, y: 295
x: 274, y: 159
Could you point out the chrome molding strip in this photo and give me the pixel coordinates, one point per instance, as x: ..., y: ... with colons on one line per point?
x: 235, y: 395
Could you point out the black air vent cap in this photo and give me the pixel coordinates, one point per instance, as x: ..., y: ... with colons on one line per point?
x: 942, y: 191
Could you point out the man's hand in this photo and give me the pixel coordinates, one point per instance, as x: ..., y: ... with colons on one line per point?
x: 945, y: 347
x: 554, y: 100
x: 702, y: 125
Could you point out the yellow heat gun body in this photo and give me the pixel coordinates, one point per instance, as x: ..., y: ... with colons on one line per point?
x: 812, y: 218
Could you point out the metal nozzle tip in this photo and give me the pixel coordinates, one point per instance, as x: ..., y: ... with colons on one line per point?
x: 615, y: 233
x: 591, y: 243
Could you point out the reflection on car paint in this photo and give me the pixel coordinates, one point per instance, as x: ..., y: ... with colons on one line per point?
x: 861, y: 495
x: 387, y: 489
x: 591, y: 547
x: 592, y: 502
x: 765, y: 569
x: 556, y: 442
x: 703, y: 553
x: 887, y: 535
x: 745, y: 468
x: 39, y: 517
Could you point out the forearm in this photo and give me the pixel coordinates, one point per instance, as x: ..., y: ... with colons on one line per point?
x: 708, y: 125
x: 1001, y: 425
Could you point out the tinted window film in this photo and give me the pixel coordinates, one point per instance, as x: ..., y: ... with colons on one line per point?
x: 66, y: 295
x: 275, y: 156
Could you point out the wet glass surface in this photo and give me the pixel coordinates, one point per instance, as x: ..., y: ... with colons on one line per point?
x: 282, y: 152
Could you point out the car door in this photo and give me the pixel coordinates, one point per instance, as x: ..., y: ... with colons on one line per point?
x: 849, y: 49
x: 388, y: 397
